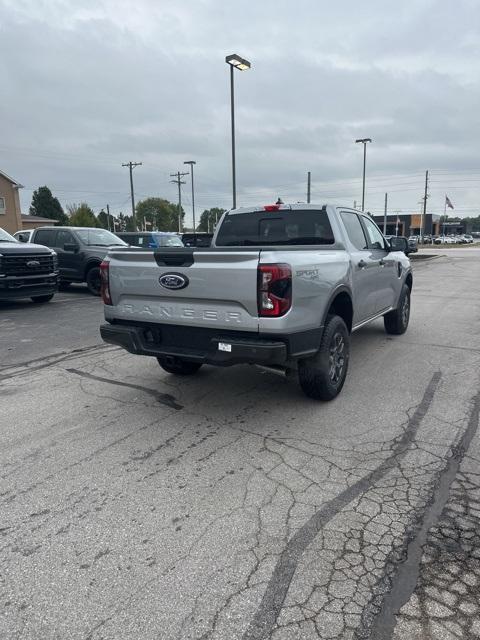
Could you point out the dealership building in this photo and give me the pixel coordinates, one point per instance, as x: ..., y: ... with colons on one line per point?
x: 410, y: 225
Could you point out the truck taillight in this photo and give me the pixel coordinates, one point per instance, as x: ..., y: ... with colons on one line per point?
x: 105, y: 282
x: 274, y: 289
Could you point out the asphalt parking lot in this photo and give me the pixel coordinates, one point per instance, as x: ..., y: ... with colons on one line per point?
x: 227, y: 505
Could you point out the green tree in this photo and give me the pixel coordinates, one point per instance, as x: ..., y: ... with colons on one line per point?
x: 103, y: 220
x: 473, y: 223
x: 160, y: 214
x: 46, y: 206
x: 82, y: 216
x: 209, y: 219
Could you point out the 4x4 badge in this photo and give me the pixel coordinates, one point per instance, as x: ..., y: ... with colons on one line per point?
x: 173, y: 281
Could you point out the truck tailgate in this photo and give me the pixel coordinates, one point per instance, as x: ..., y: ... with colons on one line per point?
x: 220, y: 289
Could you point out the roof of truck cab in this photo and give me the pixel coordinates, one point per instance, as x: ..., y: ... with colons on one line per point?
x: 297, y: 206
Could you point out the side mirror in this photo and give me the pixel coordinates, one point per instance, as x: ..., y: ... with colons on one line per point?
x: 72, y: 247
x: 399, y: 244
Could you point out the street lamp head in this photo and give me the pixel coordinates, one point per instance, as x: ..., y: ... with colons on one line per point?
x: 190, y: 162
x: 238, y: 62
x: 364, y: 140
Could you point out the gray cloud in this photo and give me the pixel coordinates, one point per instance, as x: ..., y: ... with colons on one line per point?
x: 88, y: 85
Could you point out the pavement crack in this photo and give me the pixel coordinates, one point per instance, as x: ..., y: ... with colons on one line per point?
x: 163, y: 398
x: 267, y: 613
x: 402, y: 584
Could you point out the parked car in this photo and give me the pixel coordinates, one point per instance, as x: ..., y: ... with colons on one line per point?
x: 24, y: 235
x: 465, y: 238
x: 444, y: 240
x: 282, y: 286
x: 199, y: 239
x: 26, y: 270
x: 151, y: 239
x: 412, y: 245
x: 80, y: 251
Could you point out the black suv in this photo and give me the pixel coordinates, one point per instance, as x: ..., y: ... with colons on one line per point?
x: 26, y: 270
x: 80, y: 251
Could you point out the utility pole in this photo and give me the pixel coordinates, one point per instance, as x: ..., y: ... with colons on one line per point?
x: 131, y: 165
x: 424, y: 211
x: 179, y: 182
x: 385, y: 216
x: 108, y: 217
x: 309, y: 184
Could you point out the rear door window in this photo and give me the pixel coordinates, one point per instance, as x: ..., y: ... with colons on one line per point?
x: 64, y: 237
x: 283, y: 227
x: 167, y: 241
x: 45, y: 237
x: 354, y: 229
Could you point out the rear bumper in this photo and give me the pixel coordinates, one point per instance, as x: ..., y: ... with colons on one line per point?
x: 13, y: 288
x: 210, y: 346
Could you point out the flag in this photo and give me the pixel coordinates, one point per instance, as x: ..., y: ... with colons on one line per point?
x: 449, y: 204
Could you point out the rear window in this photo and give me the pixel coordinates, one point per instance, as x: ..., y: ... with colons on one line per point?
x: 285, y: 227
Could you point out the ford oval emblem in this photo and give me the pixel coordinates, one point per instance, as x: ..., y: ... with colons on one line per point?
x: 33, y: 264
x: 173, y: 281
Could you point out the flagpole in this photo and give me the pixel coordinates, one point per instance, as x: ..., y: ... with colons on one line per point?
x: 444, y: 214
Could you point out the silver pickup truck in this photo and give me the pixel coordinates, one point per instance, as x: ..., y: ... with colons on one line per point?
x: 282, y: 286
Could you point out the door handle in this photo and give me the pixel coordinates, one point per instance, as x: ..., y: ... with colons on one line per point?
x: 362, y: 264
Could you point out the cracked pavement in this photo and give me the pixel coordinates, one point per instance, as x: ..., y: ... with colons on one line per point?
x: 227, y: 505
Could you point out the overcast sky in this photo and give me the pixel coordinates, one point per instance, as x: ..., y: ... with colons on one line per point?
x: 90, y: 84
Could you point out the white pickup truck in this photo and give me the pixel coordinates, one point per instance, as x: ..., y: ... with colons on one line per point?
x: 282, y: 286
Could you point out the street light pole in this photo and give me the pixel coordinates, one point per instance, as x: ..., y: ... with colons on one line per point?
x: 232, y: 119
x: 235, y: 62
x: 385, y: 215
x: 364, y: 142
x: 191, y: 163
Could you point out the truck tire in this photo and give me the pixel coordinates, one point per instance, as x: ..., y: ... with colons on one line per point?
x: 93, y: 280
x: 396, y: 321
x: 42, y: 299
x: 178, y: 367
x: 322, y: 376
